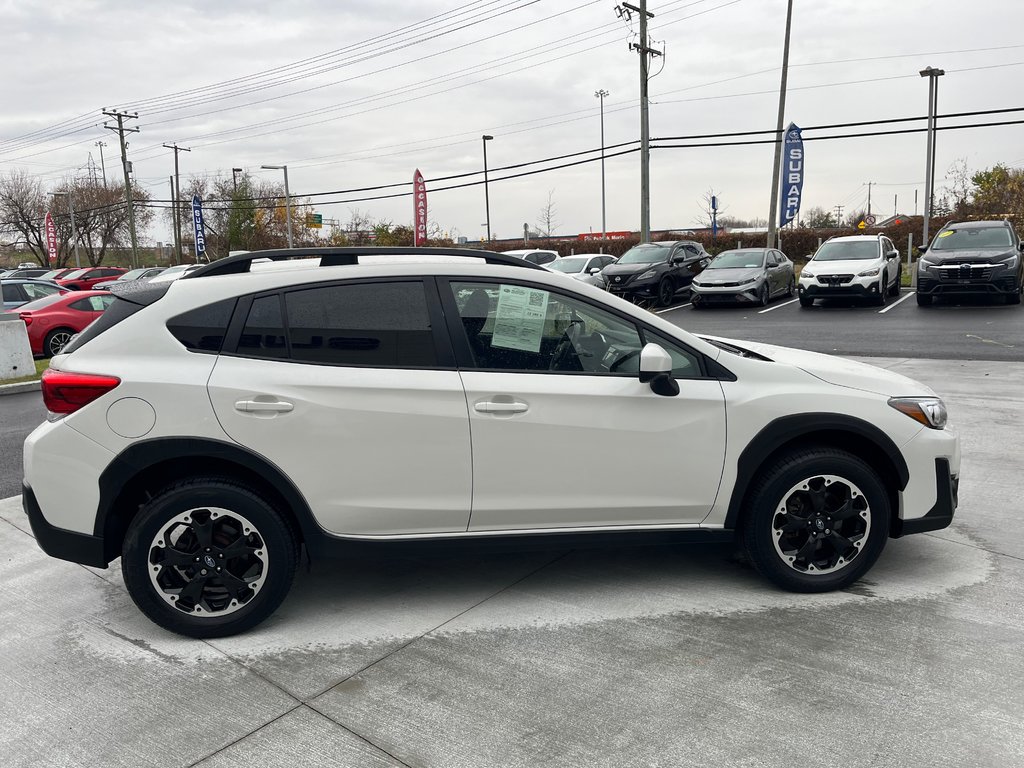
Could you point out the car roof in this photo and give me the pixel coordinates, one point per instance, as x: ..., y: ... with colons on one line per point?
x: 842, y: 238
x: 976, y: 224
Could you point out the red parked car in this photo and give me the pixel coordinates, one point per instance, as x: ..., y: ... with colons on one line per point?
x: 52, y: 320
x: 84, y: 279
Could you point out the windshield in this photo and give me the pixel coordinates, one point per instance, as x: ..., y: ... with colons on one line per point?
x: 76, y: 274
x: 568, y: 264
x: 738, y: 259
x: 51, y: 274
x: 134, y: 274
x: 848, y: 250
x: 971, y: 238
x: 644, y: 254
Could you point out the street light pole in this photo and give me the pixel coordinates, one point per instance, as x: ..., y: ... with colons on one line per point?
x: 933, y: 76
x: 604, y: 227
x: 234, y: 201
x: 487, y: 195
x: 287, y: 198
x: 74, y: 236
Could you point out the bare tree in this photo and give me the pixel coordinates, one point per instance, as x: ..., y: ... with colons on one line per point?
x: 548, y: 217
x: 958, y: 183
x: 819, y: 218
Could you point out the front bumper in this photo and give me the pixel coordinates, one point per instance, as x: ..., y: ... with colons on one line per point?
x: 862, y: 288
x: 713, y: 294
x: 633, y: 287
x: 57, y: 542
x: 940, y: 515
x: 930, y: 284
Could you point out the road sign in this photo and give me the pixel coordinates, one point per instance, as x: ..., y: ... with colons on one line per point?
x: 870, y: 220
x: 861, y: 225
x: 314, y: 220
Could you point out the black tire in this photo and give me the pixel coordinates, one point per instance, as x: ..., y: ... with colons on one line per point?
x: 924, y: 300
x: 230, y: 528
x: 791, y: 288
x: 56, y: 340
x: 883, y: 291
x: 1014, y: 298
x: 697, y: 304
x: 666, y: 291
x: 764, y: 295
x: 844, y: 533
x: 806, y: 301
x: 895, y: 290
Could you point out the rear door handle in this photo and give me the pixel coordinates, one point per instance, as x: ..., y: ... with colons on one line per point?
x: 489, y: 406
x: 264, y: 406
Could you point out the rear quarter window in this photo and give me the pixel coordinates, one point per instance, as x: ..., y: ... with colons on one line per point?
x: 202, y: 329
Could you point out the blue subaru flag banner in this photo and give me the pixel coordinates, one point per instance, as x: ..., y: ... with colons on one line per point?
x: 792, y: 175
x: 197, y: 223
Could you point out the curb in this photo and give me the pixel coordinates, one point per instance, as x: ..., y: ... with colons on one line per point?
x: 24, y: 386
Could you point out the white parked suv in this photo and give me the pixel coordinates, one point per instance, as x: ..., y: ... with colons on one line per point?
x: 205, y: 429
x: 861, y: 266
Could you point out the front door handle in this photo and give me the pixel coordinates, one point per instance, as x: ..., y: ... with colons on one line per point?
x: 264, y: 406
x: 490, y: 406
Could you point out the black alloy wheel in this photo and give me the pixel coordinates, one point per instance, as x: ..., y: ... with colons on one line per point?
x: 817, y: 520
x: 207, y: 557
x: 666, y: 290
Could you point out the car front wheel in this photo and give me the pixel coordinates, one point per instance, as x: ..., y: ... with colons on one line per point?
x: 666, y: 290
x: 207, y: 557
x: 816, y: 520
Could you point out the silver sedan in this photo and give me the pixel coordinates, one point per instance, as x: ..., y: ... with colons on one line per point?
x: 746, y: 276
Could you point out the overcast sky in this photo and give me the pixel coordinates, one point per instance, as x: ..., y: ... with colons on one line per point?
x: 386, y: 86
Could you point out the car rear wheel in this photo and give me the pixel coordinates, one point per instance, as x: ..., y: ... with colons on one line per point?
x: 816, y: 520
x: 666, y: 290
x: 56, y: 340
x: 206, y: 557
x: 791, y: 288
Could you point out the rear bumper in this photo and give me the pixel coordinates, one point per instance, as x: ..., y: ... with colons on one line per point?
x: 941, y: 514
x: 76, y: 547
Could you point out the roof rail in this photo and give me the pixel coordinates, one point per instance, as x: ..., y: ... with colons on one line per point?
x: 336, y: 257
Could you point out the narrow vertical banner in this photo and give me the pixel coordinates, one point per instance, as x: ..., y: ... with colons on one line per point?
x: 792, y: 175
x: 197, y: 225
x: 51, y: 238
x: 420, y: 209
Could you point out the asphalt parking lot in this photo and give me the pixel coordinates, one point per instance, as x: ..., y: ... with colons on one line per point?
x: 663, y: 656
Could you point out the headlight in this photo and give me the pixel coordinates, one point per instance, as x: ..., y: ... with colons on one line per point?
x: 1010, y: 262
x: 806, y: 273
x: 930, y: 411
x: 648, y: 274
x: 868, y: 272
x: 696, y: 283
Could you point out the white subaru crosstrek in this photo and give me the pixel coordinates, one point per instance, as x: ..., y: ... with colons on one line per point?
x: 859, y: 266
x: 204, y: 429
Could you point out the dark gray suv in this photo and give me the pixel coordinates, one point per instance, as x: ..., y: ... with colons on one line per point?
x: 972, y: 257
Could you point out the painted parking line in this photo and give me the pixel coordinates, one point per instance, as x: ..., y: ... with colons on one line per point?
x: 778, y: 306
x: 897, y: 303
x: 672, y: 309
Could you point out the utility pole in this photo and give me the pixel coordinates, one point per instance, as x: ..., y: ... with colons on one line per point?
x: 126, y: 166
x: 177, y: 200
x: 870, y: 184
x: 487, y: 195
x: 646, y: 52
x: 839, y: 215
x: 933, y: 76
x: 604, y: 227
x: 177, y: 233
x: 103, y: 165
x: 773, y: 214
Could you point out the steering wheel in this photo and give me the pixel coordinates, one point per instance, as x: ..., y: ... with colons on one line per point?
x: 625, y: 358
x: 565, y: 350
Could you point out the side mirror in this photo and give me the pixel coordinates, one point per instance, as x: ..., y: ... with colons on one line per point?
x: 922, y: 248
x: 593, y: 270
x: 656, y: 370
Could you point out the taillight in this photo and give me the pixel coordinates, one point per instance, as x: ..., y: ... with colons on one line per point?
x: 26, y: 318
x: 65, y: 392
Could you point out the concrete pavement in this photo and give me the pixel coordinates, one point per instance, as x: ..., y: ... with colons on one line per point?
x: 663, y: 656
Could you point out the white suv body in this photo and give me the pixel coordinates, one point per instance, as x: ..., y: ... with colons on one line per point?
x: 858, y: 266
x: 219, y: 421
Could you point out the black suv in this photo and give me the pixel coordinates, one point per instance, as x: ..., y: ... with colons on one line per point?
x: 656, y: 270
x: 972, y: 257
